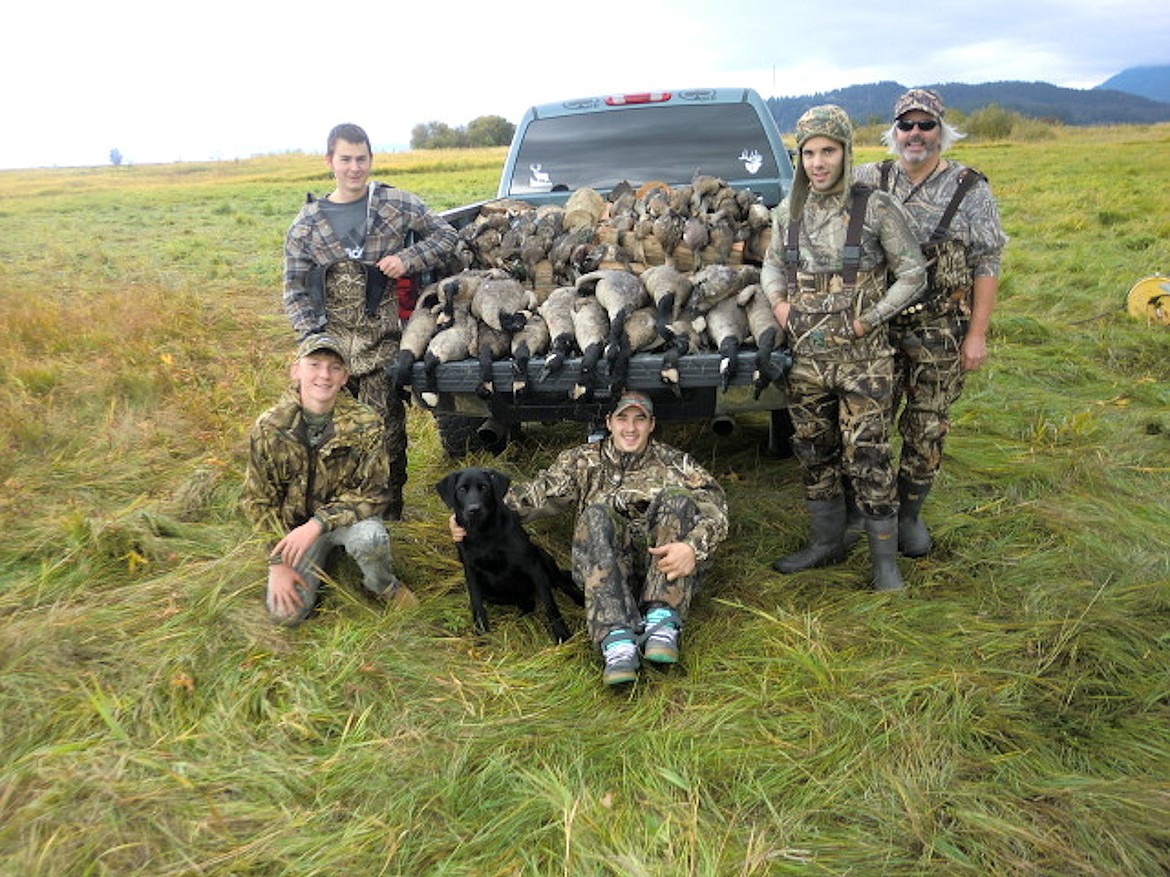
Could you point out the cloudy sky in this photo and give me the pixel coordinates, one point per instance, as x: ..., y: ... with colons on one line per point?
x: 220, y: 79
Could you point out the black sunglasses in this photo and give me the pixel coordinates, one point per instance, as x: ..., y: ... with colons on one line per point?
x: 908, y: 125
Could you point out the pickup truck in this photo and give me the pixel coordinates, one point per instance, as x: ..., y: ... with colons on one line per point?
x: 601, y: 143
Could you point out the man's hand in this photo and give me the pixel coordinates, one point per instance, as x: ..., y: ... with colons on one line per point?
x: 973, y: 353
x: 284, y: 600
x: 780, y: 312
x: 391, y: 266
x: 674, y: 560
x: 291, y: 549
x: 457, y: 532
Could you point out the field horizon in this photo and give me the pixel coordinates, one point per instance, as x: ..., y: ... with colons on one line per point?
x: 1008, y: 715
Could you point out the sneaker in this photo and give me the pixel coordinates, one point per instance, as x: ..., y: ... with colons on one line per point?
x: 661, y: 636
x: 621, y: 658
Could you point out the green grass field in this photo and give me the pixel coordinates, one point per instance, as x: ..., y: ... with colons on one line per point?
x: 1008, y: 715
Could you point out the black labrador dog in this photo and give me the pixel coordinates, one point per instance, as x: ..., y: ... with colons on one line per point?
x: 501, y: 564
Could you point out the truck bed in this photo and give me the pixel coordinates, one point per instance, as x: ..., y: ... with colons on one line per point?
x: 698, y: 396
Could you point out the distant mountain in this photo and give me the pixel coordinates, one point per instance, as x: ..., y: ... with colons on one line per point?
x: 1151, y: 82
x: 1072, y: 106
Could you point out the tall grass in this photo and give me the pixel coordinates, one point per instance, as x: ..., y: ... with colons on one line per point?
x: 1010, y: 714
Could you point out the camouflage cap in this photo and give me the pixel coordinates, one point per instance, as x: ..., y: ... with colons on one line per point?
x: 634, y: 397
x: 827, y: 120
x: 313, y: 343
x: 920, y: 99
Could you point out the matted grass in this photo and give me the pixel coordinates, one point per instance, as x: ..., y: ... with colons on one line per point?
x: 1010, y: 714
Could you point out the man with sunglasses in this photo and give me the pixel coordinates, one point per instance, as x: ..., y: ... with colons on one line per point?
x: 955, y: 218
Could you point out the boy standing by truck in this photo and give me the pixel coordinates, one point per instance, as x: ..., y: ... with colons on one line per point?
x: 343, y: 256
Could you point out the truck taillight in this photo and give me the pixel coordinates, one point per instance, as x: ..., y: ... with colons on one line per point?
x: 646, y: 97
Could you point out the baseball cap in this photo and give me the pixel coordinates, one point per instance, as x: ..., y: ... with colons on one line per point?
x: 920, y: 99
x: 634, y: 397
x: 322, y: 342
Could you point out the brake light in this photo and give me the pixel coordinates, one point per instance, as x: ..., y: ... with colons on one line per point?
x: 646, y: 97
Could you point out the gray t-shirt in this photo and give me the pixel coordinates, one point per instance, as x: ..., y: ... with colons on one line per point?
x: 349, y: 224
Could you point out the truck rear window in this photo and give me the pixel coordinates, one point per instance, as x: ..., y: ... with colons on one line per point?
x: 670, y: 143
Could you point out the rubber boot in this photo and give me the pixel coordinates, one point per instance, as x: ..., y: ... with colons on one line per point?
x: 854, y: 523
x: 826, y: 546
x: 913, y: 538
x: 882, y: 534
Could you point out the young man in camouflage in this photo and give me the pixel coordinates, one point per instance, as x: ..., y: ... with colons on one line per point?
x: 833, y: 302
x: 343, y: 255
x: 945, y: 335
x: 648, y: 520
x: 318, y: 478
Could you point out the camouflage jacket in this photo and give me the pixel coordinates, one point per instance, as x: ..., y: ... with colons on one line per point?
x: 976, y: 223
x: 887, y: 244
x: 287, y: 483
x: 598, y: 473
x: 394, y: 217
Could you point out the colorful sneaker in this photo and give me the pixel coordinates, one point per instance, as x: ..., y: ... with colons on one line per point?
x: 660, y: 635
x: 621, y: 657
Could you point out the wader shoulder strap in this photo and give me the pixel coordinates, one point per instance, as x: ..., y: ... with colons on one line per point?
x: 968, y: 177
x: 792, y: 251
x: 884, y: 169
x: 851, y: 258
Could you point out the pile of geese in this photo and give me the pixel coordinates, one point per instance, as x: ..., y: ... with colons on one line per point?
x: 657, y: 269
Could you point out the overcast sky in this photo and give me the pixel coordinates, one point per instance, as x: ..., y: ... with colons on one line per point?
x: 216, y: 79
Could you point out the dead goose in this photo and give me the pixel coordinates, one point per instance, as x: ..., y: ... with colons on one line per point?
x: 684, y: 339
x: 669, y: 289
x: 620, y: 293
x: 765, y: 331
x: 532, y: 340
x: 451, y: 344
x: 727, y: 327
x: 557, y: 311
x: 416, y: 335
x: 641, y: 334
x: 717, y: 282
x: 503, y: 303
x: 590, y: 328
x: 458, y: 291
x: 489, y: 345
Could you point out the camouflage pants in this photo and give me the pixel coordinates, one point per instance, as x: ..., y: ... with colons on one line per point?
x: 610, y: 557
x: 928, y: 378
x: 367, y: 542
x: 374, y: 389
x: 841, y: 415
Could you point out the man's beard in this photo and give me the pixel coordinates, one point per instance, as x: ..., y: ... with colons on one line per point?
x: 918, y: 158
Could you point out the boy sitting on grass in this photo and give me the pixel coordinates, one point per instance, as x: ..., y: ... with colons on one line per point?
x: 318, y: 477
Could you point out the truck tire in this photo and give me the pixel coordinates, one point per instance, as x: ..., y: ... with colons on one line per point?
x: 459, y: 435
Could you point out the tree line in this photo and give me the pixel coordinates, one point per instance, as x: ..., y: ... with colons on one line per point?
x: 481, y: 131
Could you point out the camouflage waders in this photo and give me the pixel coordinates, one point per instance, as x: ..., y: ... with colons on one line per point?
x: 375, y: 390
x: 372, y: 342
x: 928, y: 379
x: 610, y: 557
x: 840, y: 391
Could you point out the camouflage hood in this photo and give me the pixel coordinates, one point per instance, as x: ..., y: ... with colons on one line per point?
x: 827, y: 120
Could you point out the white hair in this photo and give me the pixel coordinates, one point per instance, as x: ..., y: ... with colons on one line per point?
x: 950, y: 136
